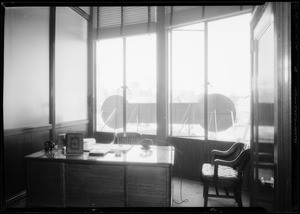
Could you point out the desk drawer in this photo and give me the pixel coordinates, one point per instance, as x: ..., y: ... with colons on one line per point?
x: 45, y: 184
x: 90, y: 185
x: 147, y: 186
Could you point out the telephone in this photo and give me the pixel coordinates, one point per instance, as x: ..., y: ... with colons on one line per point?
x: 146, y: 144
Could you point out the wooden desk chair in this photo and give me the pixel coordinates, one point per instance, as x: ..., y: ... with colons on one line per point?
x: 133, y: 138
x: 226, y: 171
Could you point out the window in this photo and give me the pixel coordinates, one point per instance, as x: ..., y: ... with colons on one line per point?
x: 126, y: 82
x: 186, y: 81
x: 210, y: 66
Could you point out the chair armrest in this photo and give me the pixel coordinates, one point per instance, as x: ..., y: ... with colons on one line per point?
x: 239, y: 162
x: 219, y: 153
x: 223, y: 154
x: 216, y: 154
x: 224, y: 162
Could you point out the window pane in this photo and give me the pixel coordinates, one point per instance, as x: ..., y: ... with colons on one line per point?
x: 187, y: 81
x: 70, y: 66
x: 26, y: 67
x: 141, y: 83
x: 229, y: 79
x: 109, y: 85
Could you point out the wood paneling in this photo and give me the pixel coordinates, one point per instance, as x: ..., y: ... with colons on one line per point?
x: 94, y: 185
x: 24, y: 130
x: 15, y: 148
x: 45, y: 184
x: 271, y: 123
x: 283, y: 122
x: 147, y: 186
x: 21, y: 142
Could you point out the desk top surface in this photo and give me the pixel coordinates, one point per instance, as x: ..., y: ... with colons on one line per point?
x: 157, y: 155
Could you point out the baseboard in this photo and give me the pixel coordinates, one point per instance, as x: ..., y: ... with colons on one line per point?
x: 15, y: 200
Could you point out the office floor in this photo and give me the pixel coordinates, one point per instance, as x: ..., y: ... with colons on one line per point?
x: 192, y: 195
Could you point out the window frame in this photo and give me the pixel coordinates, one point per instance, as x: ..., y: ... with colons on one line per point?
x: 124, y: 84
x: 205, y: 82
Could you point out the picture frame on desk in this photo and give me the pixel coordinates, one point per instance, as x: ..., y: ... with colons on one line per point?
x: 74, y: 143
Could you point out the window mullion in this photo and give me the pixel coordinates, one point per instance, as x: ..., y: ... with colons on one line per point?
x: 171, y: 85
x: 205, y: 81
x: 124, y: 85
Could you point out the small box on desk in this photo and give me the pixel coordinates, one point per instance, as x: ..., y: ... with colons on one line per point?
x: 74, y: 143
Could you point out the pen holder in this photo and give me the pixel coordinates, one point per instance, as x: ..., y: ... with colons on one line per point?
x: 48, y: 146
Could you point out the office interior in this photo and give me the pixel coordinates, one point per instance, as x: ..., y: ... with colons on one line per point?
x: 195, y: 77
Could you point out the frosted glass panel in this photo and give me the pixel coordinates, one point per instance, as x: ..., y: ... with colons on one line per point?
x: 26, y: 67
x: 265, y: 85
x: 70, y: 66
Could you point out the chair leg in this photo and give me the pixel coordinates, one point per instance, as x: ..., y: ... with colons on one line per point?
x: 205, y: 194
x: 227, y: 193
x: 238, y: 197
x: 217, y: 191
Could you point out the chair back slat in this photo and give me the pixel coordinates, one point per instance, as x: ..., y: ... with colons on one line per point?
x: 132, y: 138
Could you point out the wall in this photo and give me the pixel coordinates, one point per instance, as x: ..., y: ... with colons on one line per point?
x: 28, y: 101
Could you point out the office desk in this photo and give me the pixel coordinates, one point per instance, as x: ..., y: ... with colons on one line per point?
x: 137, y: 178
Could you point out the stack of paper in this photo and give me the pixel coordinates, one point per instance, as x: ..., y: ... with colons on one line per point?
x: 88, y: 143
x: 102, y: 148
x: 101, y: 151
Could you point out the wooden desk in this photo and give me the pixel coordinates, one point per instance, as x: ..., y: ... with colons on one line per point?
x: 135, y: 179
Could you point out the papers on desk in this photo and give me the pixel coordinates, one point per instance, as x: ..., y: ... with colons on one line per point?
x: 102, y: 148
x: 100, y: 152
x: 88, y: 143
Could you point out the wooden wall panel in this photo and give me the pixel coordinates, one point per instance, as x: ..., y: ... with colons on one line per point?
x: 22, y: 143
x: 15, y: 148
